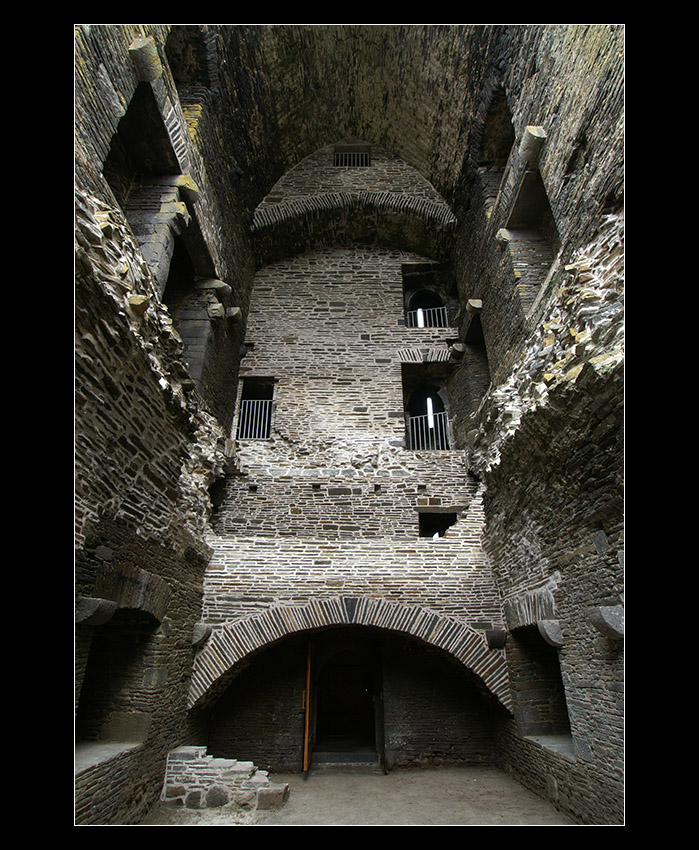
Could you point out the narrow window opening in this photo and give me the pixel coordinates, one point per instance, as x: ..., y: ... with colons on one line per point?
x: 352, y: 156
x: 433, y: 524
x: 114, y: 674
x: 140, y: 149
x: 140, y: 169
x: 255, y: 415
x: 430, y: 412
x: 428, y: 423
x: 180, y: 282
x: 427, y: 310
x: 497, y: 140
x: 531, y: 210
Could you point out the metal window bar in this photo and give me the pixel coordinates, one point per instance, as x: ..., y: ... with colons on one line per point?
x: 431, y: 317
x: 254, y: 419
x: 352, y: 159
x: 430, y: 432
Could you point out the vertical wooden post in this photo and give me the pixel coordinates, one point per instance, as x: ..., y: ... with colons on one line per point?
x: 307, y: 722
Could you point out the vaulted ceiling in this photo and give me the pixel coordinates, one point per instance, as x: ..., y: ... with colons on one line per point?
x: 286, y: 90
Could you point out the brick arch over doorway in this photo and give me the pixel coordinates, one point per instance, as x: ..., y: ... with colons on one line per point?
x: 232, y: 642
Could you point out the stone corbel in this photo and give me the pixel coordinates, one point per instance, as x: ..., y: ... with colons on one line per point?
x: 532, y: 144
x: 609, y: 620
x: 496, y: 638
x: 201, y: 633
x: 144, y: 55
x: 92, y: 611
x: 550, y: 631
x: 216, y: 311
x: 180, y: 217
x: 221, y: 291
x: 188, y: 188
x: 209, y: 284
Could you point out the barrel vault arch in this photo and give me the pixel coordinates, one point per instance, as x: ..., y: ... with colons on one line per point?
x: 413, y: 224
x: 232, y: 643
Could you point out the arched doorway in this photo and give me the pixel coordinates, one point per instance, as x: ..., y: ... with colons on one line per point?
x: 427, y: 421
x: 360, y: 696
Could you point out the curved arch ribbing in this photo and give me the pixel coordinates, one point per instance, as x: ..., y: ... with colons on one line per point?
x: 398, y: 220
x: 232, y: 642
x: 438, y: 214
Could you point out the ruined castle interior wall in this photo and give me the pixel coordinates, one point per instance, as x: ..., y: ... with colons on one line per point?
x: 498, y: 172
x: 139, y: 560
x: 555, y: 354
x: 146, y: 449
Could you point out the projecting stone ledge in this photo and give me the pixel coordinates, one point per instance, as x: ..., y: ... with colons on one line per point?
x: 609, y: 620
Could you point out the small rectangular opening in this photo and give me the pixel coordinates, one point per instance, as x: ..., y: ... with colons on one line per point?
x: 435, y: 524
x: 352, y: 156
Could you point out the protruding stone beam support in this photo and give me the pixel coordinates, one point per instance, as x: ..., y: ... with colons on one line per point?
x: 209, y: 284
x: 531, y: 145
x: 608, y: 619
x: 201, y: 633
x: 496, y: 638
x: 221, y: 292
x: 550, y: 631
x: 473, y: 311
x: 91, y: 611
x: 144, y: 55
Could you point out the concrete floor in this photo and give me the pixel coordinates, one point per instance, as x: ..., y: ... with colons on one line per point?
x: 440, y: 797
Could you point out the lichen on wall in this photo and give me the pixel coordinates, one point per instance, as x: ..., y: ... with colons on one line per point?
x: 581, y: 326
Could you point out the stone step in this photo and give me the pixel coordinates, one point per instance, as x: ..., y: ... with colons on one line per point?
x: 345, y: 757
x: 345, y: 762
x: 361, y: 768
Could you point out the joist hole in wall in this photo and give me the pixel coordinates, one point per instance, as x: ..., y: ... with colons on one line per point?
x: 435, y: 524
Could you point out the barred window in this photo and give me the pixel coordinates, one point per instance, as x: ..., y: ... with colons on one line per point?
x: 352, y: 156
x: 255, y: 412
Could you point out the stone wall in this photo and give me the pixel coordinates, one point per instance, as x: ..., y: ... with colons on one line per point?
x: 553, y: 502
x: 324, y: 515
x: 331, y: 501
x: 146, y: 453
x: 570, y: 133
x: 147, y: 450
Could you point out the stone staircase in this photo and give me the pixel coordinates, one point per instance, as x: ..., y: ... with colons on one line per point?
x: 196, y: 780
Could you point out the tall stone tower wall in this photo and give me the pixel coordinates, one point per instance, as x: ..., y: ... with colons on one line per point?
x: 222, y: 255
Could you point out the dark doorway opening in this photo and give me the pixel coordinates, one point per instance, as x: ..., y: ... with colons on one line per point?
x: 345, y: 711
